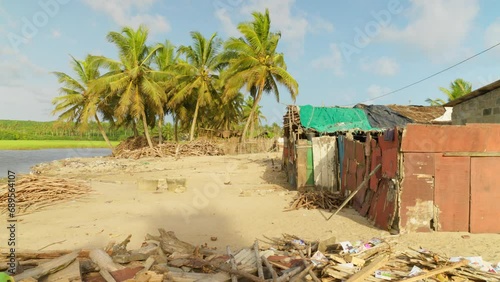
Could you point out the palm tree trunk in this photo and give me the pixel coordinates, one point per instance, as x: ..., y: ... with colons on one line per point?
x: 134, y: 128
x: 160, y: 132
x: 103, y: 132
x: 176, y: 129
x: 252, y: 112
x: 146, y: 131
x: 193, y: 125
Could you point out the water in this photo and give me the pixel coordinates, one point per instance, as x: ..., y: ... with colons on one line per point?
x: 20, y: 161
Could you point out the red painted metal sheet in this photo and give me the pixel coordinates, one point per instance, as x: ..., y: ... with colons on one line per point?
x: 451, y: 193
x: 383, y: 205
x: 360, y: 152
x: 451, y: 138
x: 390, y: 151
x: 376, y: 160
x: 360, y: 196
x: 417, y: 195
x: 485, y: 195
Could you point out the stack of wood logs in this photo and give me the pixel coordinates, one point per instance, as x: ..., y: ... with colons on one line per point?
x: 325, y: 200
x: 36, y: 192
x: 164, y: 257
x: 194, y: 148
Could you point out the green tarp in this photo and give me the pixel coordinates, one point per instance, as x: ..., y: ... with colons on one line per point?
x: 328, y: 120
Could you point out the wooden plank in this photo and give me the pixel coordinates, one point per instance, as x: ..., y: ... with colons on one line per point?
x: 70, y: 273
x: 437, y: 271
x: 369, y: 269
x: 324, y: 162
x: 48, y: 267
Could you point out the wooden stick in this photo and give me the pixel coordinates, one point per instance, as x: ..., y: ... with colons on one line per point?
x: 303, y: 273
x: 307, y: 264
x: 368, y: 270
x: 270, y: 267
x: 48, y: 267
x: 289, y: 274
x: 357, y: 190
x: 260, y: 271
x: 437, y: 271
x: 234, y: 278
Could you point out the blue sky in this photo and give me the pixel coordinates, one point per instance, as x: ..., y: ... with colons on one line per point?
x: 340, y: 52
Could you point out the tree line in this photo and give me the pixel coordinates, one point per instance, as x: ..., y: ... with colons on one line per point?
x: 202, y: 86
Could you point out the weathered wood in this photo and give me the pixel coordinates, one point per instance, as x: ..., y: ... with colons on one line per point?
x: 104, y: 261
x: 70, y: 273
x: 303, y: 273
x: 48, y: 267
x: 307, y: 264
x: 369, y: 269
x: 357, y: 189
x: 274, y: 275
x: 170, y: 244
x: 258, y: 261
x: 437, y: 271
x: 286, y: 276
x: 234, y: 278
x: 106, y: 275
x: 191, y: 276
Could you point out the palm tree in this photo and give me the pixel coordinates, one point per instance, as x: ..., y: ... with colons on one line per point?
x: 458, y: 88
x: 254, y: 63
x: 256, y: 117
x: 165, y: 59
x: 197, y: 76
x: 76, y: 101
x: 228, y: 114
x: 435, y: 102
x: 132, y: 79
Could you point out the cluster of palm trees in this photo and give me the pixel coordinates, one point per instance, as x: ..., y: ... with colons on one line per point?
x: 458, y: 88
x: 199, y: 85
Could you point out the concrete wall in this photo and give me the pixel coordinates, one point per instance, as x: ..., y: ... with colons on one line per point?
x: 482, y: 109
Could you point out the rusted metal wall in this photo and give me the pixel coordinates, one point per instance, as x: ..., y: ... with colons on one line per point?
x: 451, y: 195
x: 446, y: 186
x: 417, y: 193
x: 485, y: 195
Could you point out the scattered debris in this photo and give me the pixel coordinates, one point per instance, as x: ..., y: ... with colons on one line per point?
x: 136, y: 148
x: 35, y: 192
x: 290, y: 258
x: 325, y: 200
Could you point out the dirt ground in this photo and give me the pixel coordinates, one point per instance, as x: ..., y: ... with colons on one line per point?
x: 249, y: 207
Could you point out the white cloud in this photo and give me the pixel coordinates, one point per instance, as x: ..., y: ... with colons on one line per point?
x: 437, y: 27
x: 16, y: 67
x: 131, y: 13
x: 293, y: 24
x: 492, y: 34
x: 375, y: 91
x: 332, y: 61
x: 383, y: 66
x: 56, y: 33
x: 227, y: 23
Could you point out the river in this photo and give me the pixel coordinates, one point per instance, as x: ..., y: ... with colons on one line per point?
x: 20, y: 161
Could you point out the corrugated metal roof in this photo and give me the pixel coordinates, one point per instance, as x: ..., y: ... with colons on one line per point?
x: 333, y: 119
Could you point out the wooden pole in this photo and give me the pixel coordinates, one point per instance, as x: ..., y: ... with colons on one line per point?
x: 357, y: 190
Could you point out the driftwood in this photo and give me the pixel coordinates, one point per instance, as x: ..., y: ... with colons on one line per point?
x: 36, y: 192
x: 48, y: 267
x: 170, y: 244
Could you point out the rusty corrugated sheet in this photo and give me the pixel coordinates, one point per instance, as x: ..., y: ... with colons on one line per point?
x: 451, y: 138
x: 451, y: 193
x: 417, y: 194
x: 376, y: 155
x: 383, y: 205
x: 485, y: 195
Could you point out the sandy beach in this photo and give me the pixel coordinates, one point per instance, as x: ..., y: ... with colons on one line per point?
x: 235, y: 198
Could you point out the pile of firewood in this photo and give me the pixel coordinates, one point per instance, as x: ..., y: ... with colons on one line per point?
x: 166, y: 258
x: 36, y: 192
x: 133, y: 149
x: 325, y: 200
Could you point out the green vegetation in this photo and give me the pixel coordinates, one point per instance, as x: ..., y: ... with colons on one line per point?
x: 51, y: 144
x: 458, y: 88
x: 198, y: 85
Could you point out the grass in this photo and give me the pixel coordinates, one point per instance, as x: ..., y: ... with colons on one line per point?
x: 51, y: 144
